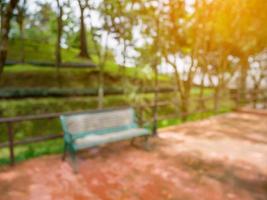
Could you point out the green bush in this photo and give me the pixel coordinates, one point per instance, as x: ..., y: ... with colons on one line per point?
x: 7, y: 93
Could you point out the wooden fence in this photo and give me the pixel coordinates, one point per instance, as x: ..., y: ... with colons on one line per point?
x: 11, y: 143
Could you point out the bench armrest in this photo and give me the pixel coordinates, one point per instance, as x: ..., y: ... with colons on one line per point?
x: 68, y: 137
x: 146, y: 125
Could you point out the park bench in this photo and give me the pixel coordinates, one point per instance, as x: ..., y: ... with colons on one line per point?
x: 91, y: 129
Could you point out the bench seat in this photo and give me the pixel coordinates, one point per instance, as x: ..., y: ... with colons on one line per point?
x: 91, y: 129
x: 93, y: 140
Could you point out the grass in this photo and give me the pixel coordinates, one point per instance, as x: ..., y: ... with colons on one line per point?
x: 45, y: 52
x: 193, y: 117
x: 29, y: 76
x: 32, y: 150
x: 28, y: 129
x: 56, y: 146
x: 40, y: 51
x: 25, y: 75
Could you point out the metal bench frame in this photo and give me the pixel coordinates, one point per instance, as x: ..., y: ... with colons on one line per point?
x: 70, y: 138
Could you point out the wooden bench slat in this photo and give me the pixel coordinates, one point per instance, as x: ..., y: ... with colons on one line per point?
x: 86, y: 122
x: 95, y: 140
x: 85, y: 130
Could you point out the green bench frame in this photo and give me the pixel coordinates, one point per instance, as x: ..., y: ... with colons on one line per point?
x: 87, y: 130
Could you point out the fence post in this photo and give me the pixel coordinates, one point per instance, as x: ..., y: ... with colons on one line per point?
x: 141, y: 118
x: 155, y: 103
x: 11, y: 143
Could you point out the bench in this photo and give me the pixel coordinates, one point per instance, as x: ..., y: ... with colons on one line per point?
x: 91, y: 129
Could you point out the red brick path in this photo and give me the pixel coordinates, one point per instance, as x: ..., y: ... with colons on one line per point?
x: 221, y: 158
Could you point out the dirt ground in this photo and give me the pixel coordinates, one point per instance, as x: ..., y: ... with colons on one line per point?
x: 221, y: 158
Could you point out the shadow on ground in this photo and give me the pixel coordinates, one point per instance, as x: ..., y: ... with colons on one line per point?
x: 220, y: 158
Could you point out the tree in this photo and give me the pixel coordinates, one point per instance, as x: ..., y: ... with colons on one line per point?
x: 177, y: 47
x: 6, y: 17
x: 83, y: 4
x: 240, y: 29
x: 21, y: 14
x: 211, y: 54
x: 60, y: 6
x: 258, y: 74
x: 223, y: 25
x: 2, y: 6
x: 59, y: 32
x: 151, y: 19
x: 100, y: 36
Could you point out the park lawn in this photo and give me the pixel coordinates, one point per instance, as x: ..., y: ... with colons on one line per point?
x: 47, y: 105
x: 24, y: 152
x: 40, y: 51
x: 21, y: 76
x: 29, y: 76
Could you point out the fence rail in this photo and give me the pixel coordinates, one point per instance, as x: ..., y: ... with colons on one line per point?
x: 13, y: 120
x: 11, y: 143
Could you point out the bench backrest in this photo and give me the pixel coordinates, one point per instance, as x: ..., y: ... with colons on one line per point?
x: 99, y: 122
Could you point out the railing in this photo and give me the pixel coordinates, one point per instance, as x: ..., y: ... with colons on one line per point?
x: 12, y: 120
x: 11, y: 143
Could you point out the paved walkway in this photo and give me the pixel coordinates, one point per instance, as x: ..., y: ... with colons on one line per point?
x: 224, y: 157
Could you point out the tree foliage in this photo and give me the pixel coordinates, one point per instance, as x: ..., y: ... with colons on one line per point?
x: 210, y: 40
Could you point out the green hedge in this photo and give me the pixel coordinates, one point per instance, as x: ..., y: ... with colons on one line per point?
x: 12, y: 108
x: 17, y: 93
x: 7, y: 93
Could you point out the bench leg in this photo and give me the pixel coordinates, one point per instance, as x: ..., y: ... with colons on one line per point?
x: 65, y: 151
x: 147, y: 145
x: 132, y: 142
x: 74, y: 162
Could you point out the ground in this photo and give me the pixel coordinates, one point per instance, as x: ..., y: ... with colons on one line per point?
x: 220, y: 158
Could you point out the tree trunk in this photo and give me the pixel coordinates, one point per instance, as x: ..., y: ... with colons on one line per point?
x: 83, y: 39
x: 20, y: 20
x: 58, y: 44
x: 175, y: 99
x: 243, y: 79
x: 123, y: 68
x: 2, y: 16
x: 5, y: 30
x: 182, y: 97
x: 201, y: 103
x: 255, y: 97
x: 22, y: 49
x: 100, y: 87
x: 216, y: 99
x: 184, y: 107
x: 155, y: 106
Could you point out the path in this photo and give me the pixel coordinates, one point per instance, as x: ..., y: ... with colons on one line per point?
x: 224, y: 157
